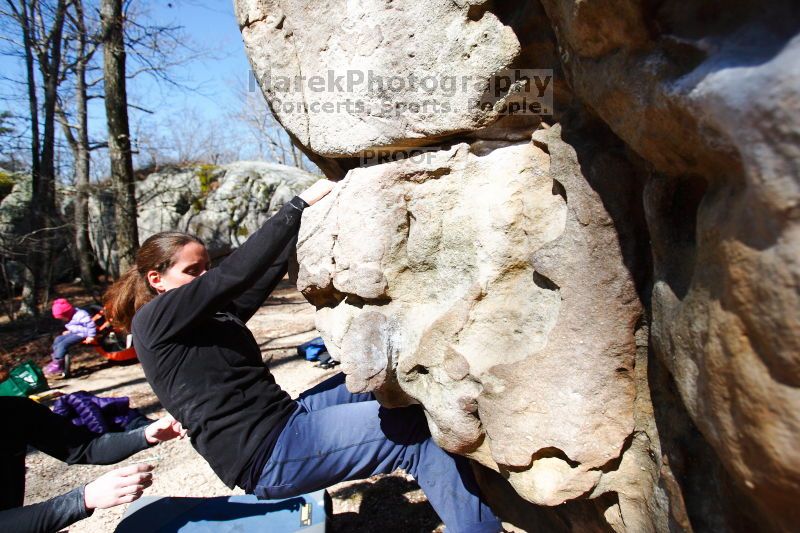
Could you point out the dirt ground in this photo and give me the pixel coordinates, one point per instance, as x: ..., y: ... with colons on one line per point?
x: 380, y: 504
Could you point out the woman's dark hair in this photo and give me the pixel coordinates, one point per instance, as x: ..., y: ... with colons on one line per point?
x: 132, y: 290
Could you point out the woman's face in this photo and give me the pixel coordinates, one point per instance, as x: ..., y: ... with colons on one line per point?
x: 191, y: 261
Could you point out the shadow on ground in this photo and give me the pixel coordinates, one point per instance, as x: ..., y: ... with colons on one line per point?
x: 388, y: 505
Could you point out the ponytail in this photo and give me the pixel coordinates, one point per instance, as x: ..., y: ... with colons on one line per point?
x: 132, y: 290
x: 126, y: 296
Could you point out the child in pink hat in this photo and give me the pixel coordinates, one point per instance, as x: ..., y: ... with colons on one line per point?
x: 79, y: 328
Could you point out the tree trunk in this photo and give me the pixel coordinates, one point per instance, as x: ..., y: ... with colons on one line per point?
x: 26, y: 21
x: 31, y: 286
x: 82, y: 244
x: 119, y: 142
x: 44, y: 197
x: 79, y: 144
x: 50, y: 67
x: 47, y: 49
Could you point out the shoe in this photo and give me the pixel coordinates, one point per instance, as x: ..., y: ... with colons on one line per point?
x: 55, y: 368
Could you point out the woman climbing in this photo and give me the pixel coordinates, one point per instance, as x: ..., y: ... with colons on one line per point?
x: 188, y: 325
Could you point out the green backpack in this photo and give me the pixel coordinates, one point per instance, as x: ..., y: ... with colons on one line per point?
x: 24, y: 379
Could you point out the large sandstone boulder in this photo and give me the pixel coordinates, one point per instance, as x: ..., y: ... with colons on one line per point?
x: 15, y: 210
x: 388, y: 73
x: 673, y: 155
x: 488, y: 284
x: 15, y: 223
x: 714, y: 106
x: 243, y: 196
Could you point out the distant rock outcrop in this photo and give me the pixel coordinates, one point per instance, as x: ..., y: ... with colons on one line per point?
x: 220, y: 204
x: 14, y: 224
x: 17, y: 239
x: 15, y: 209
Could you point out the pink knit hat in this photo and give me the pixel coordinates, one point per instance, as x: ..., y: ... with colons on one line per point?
x: 62, y: 308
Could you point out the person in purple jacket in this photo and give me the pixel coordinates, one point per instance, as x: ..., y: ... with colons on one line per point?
x: 80, y: 328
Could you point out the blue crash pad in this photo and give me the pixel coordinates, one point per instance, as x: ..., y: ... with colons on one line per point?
x: 226, y: 514
x: 312, y: 349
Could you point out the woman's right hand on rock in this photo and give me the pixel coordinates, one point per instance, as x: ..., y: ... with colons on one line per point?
x: 318, y: 191
x: 119, y: 486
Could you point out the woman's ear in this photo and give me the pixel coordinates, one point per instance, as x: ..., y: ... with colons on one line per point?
x: 154, y: 279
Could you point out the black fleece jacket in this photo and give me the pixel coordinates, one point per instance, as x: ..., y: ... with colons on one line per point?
x: 203, y: 363
x: 31, y: 424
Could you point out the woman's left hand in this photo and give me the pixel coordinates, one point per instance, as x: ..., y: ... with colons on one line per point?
x: 317, y: 191
x: 164, y: 429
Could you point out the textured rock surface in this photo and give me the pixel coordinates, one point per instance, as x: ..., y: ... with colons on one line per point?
x: 14, y: 223
x: 221, y: 205
x: 715, y: 108
x: 453, y: 44
x: 243, y: 196
x: 475, y: 290
x: 14, y: 210
x: 16, y: 240
x: 676, y: 138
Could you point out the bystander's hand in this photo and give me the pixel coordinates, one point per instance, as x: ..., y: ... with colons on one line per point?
x: 164, y: 429
x: 119, y: 486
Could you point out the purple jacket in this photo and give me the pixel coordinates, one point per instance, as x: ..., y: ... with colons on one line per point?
x: 82, y: 324
x: 98, y: 415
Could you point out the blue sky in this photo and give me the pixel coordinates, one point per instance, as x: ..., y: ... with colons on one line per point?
x: 211, y: 83
x: 212, y: 28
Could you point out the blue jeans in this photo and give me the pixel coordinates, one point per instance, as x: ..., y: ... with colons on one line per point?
x: 64, y: 343
x: 336, y: 436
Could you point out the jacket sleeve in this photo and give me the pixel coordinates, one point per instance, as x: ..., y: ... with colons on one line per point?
x: 58, y: 437
x: 246, y: 305
x: 82, y: 324
x: 109, y: 448
x: 88, y: 323
x: 74, y: 327
x: 174, y: 311
x: 46, y: 517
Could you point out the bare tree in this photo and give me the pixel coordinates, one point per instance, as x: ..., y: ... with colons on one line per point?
x: 57, y: 43
x: 119, y: 140
x: 12, y: 143
x: 41, y: 25
x: 154, y: 49
x: 151, y: 49
x: 80, y: 48
x: 185, y: 137
x: 272, y: 141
